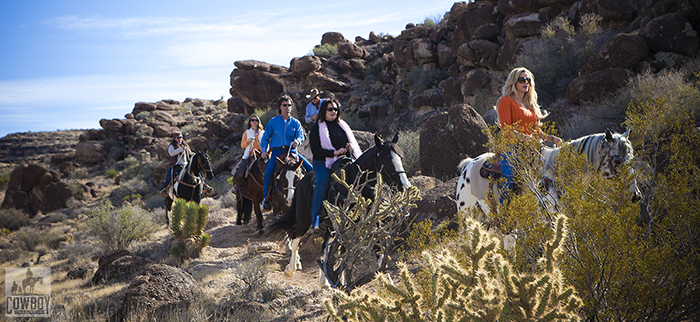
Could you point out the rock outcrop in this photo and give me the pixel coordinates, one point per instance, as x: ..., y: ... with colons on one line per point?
x: 33, y: 188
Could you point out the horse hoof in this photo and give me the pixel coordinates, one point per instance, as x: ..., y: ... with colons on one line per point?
x: 288, y: 273
x: 260, y: 233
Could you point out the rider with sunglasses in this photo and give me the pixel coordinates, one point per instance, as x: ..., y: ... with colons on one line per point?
x: 518, y: 109
x: 250, y: 142
x: 329, y: 139
x: 282, y: 131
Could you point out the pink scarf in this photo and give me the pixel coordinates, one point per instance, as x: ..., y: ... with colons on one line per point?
x: 325, y: 138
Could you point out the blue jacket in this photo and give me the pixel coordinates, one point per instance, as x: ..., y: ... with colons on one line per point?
x: 279, y: 133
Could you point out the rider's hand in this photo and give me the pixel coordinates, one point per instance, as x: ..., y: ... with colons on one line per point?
x: 294, y: 144
x: 264, y: 155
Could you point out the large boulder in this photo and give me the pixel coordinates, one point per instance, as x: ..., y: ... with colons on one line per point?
x: 161, y: 290
x: 478, y: 53
x: 437, y: 204
x: 523, y: 25
x: 672, y: 33
x: 622, y: 50
x: 333, y: 38
x: 595, y: 86
x: 417, y: 32
x: 507, y: 53
x: 255, y: 87
x: 118, y: 265
x: 34, y: 188
x: 444, y: 55
x: 470, y: 18
x: 424, y: 51
x: 90, y: 153
x: 448, y: 137
x: 350, y: 50
x: 305, y: 65
x: 114, y: 125
x: 614, y: 13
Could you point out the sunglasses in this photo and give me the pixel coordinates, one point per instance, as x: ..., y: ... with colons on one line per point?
x: 332, y: 109
x: 523, y: 80
x: 254, y: 120
x: 285, y: 105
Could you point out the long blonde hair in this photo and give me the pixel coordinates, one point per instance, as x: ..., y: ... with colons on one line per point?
x: 530, y: 98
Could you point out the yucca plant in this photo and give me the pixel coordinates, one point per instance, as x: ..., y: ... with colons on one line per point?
x: 188, y: 222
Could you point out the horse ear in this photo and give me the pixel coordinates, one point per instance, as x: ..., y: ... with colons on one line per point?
x: 377, y: 140
x: 627, y: 132
x: 608, y: 136
x: 396, y: 138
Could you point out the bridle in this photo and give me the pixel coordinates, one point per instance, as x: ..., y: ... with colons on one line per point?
x: 383, y: 168
x: 197, y: 180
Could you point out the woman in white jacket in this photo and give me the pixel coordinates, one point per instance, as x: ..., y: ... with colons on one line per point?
x: 250, y: 142
x: 180, y: 154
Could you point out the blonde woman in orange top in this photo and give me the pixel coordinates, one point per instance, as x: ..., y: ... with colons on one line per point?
x: 518, y: 108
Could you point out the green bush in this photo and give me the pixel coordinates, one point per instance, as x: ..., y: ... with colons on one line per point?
x: 254, y: 274
x: 559, y: 53
x: 119, y: 228
x: 188, y: 222
x: 13, y: 219
x: 265, y: 114
x: 4, y: 180
x: 142, y: 115
x: 409, y: 142
x: 326, y: 50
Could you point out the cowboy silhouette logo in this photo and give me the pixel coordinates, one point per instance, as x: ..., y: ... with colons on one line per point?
x: 28, y: 292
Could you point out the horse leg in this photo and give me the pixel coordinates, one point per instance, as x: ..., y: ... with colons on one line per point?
x: 322, y: 279
x: 168, y: 207
x: 294, y: 261
x: 259, y: 218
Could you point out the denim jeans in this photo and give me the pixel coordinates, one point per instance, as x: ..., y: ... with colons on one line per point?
x: 272, y: 164
x: 507, y: 173
x: 323, y: 178
x: 167, y: 178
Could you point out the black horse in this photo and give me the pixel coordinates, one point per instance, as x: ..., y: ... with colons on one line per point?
x: 188, y: 184
x: 384, y: 158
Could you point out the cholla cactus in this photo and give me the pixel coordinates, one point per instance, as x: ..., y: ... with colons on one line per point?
x: 188, y: 222
x: 468, y: 281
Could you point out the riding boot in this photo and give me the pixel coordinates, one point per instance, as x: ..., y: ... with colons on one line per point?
x: 266, y: 205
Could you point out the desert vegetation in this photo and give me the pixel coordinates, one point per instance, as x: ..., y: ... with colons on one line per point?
x: 603, y: 255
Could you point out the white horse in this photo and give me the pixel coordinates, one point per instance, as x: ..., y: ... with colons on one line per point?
x: 605, y: 151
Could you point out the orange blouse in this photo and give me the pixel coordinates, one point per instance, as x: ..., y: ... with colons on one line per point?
x: 256, y: 144
x: 512, y: 113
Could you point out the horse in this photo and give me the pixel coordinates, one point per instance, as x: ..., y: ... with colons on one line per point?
x: 606, y: 151
x: 288, y: 173
x: 189, y: 184
x: 250, y: 192
x: 384, y: 158
x: 28, y: 284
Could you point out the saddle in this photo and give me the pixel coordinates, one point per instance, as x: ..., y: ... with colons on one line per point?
x: 490, y: 170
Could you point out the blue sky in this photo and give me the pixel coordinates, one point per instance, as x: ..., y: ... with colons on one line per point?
x: 68, y: 64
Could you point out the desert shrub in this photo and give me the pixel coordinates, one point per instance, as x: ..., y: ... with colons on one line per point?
x: 119, y: 228
x: 216, y: 155
x: 29, y: 238
x: 468, y: 280
x: 13, y: 219
x: 152, y: 202
x: 433, y: 21
x: 228, y: 200
x: 126, y: 163
x: 363, y: 226
x: 112, y: 173
x: 80, y: 173
x: 129, y: 189
x: 424, y: 237
x: 4, y: 180
x: 420, y: 79
x: 485, y: 100
x: 188, y: 129
x: 559, y: 53
x: 610, y: 113
x: 142, y: 115
x: 326, y: 50
x: 77, y: 188
x: 254, y: 274
x: 77, y: 250
x: 144, y: 171
x: 409, y: 142
x: 188, y: 222
x: 265, y: 114
x: 372, y: 71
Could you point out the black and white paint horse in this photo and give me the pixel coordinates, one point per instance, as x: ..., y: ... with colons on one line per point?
x: 189, y: 184
x: 605, y: 151
x: 383, y: 158
x: 288, y: 173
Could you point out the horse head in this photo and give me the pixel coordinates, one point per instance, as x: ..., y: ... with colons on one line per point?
x: 389, y: 162
x: 289, y: 175
x: 616, y: 151
x: 201, y: 163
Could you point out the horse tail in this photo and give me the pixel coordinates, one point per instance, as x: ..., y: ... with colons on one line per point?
x: 286, y: 222
x: 464, y: 163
